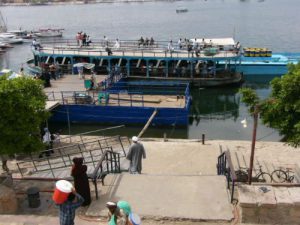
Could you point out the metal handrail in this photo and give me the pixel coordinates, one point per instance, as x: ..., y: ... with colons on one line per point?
x: 225, y: 167
x: 51, y: 165
x: 111, y: 161
x: 133, y: 47
x: 116, y: 138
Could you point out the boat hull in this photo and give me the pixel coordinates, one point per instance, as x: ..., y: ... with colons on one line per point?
x: 120, y: 115
x: 262, y: 69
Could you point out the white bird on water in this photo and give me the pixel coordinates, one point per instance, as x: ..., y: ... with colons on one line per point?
x: 244, y: 122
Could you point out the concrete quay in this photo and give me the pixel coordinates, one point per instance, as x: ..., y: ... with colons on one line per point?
x: 178, y: 184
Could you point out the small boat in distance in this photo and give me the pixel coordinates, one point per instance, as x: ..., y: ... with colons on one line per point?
x: 49, y: 32
x: 10, y: 38
x: 181, y: 10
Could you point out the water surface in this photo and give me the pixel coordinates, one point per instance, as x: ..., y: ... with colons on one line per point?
x: 215, y: 112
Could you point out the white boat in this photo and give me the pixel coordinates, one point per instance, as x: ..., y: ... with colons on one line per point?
x: 46, y: 33
x: 22, y: 34
x: 5, y: 45
x: 10, y: 38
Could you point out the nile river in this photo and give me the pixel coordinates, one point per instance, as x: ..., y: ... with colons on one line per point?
x: 215, y: 112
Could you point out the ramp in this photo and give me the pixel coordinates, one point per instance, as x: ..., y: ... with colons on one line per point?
x: 194, y: 198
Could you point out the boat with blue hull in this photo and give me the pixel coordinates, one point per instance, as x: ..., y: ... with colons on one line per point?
x: 277, y: 64
x: 193, y: 60
x: 125, y: 103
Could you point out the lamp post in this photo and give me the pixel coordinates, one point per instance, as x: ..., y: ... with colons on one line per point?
x: 255, y: 118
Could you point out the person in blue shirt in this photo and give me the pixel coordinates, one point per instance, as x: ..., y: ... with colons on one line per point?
x: 68, y: 208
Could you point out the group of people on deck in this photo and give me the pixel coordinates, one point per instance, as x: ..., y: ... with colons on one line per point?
x: 146, y: 42
x: 83, y: 39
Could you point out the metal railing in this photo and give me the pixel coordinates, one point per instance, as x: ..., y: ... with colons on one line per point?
x: 132, y: 49
x: 108, y: 163
x: 118, y: 95
x: 225, y: 167
x: 62, y: 154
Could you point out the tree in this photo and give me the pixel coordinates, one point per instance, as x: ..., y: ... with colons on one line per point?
x: 281, y: 110
x: 22, y: 104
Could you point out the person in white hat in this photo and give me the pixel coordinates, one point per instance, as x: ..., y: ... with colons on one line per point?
x: 135, y: 154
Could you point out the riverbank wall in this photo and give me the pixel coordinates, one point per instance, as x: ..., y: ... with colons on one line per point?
x: 41, y: 3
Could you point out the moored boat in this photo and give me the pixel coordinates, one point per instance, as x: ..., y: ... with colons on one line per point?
x: 125, y: 103
x: 22, y: 34
x: 262, y: 61
x: 10, y: 38
x: 48, y: 33
x: 195, y: 61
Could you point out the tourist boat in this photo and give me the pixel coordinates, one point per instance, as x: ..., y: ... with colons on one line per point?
x: 125, y: 102
x: 262, y: 62
x: 22, y: 34
x: 266, y: 63
x: 155, y: 62
x: 10, y: 38
x: 49, y: 32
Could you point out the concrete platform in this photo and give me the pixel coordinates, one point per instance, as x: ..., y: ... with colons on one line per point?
x: 167, y: 196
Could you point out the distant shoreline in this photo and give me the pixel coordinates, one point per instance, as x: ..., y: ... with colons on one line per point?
x: 83, y: 2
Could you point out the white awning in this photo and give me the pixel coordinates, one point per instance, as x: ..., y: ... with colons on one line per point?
x: 215, y: 41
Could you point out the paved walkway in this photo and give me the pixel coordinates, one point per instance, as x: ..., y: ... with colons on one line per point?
x: 168, y: 196
x: 179, y: 179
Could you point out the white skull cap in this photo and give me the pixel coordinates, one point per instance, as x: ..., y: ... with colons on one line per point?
x: 135, y: 139
x: 111, y: 204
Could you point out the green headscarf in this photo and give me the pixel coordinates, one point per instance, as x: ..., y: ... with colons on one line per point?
x: 124, y: 206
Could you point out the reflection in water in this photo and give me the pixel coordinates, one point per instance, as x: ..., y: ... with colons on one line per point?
x: 214, y: 103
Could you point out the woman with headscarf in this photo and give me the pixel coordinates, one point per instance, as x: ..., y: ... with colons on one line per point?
x: 81, y: 181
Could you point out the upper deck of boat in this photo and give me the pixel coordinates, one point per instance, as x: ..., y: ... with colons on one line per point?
x: 132, y: 49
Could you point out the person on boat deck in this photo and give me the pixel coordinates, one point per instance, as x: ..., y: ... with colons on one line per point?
x: 203, y: 43
x: 88, y: 40
x: 78, y: 38
x: 93, y: 80
x: 141, y: 41
x: 195, y: 44
x: 151, y: 41
x: 84, y: 39
x: 36, y: 45
x: 179, y: 43
x: 186, y: 42
x: 52, y: 71
x: 147, y: 41
x: 238, y: 46
x: 105, y: 41
x: 117, y: 44
x: 170, y: 46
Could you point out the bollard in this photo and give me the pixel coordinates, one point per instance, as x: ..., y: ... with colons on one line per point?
x: 33, y: 195
x: 203, y: 139
x: 165, y: 137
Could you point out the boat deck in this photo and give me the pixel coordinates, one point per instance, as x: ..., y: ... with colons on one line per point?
x: 132, y: 49
x: 70, y: 90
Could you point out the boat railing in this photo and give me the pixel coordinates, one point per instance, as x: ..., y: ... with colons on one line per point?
x: 132, y: 48
x: 120, y: 96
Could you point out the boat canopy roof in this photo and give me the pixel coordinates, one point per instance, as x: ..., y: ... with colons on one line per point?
x: 216, y: 41
x: 51, y: 29
x: 85, y: 65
